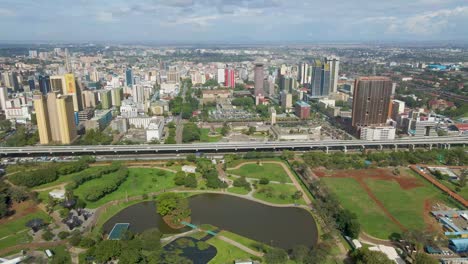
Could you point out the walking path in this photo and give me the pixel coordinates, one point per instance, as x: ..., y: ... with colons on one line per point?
x: 286, y: 169
x: 174, y: 237
x: 240, y: 246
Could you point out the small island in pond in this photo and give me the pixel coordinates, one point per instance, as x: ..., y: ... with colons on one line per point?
x: 174, y: 208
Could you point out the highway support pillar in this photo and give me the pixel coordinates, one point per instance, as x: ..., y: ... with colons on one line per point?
x: 345, y: 149
x: 381, y: 147
x: 430, y: 146
x: 396, y: 147
x: 448, y: 145
x: 326, y: 150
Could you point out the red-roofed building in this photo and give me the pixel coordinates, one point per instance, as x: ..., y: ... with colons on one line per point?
x: 440, y: 104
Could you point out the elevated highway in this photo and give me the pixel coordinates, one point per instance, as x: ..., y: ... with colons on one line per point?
x: 343, y: 145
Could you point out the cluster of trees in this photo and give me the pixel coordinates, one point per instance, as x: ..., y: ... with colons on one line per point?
x: 172, y: 133
x: 189, y: 181
x: 85, y: 176
x: 366, y: 256
x: 191, y: 132
x: 242, y: 182
x: 331, y: 211
x: 95, y: 137
x: 141, y: 248
x: 317, y: 254
x: 174, y: 207
x: 337, y: 160
x: 97, y: 192
x: 245, y: 102
x: 209, y: 172
x: 48, y: 173
x: 22, y: 137
x: 9, y: 194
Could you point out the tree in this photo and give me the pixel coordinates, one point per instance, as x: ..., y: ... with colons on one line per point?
x: 18, y: 194
x: 107, y: 250
x: 191, y: 158
x: 276, y: 256
x: 191, y: 181
x: 179, y: 178
x: 423, y: 258
x: 365, y: 256
x: 190, y: 133
x: 264, y: 181
x: 151, y: 239
x: 462, y: 180
x: 287, y: 155
x: 225, y: 129
x: 3, y: 206
x: 5, y: 125
x: 299, y: 253
x: 297, y: 195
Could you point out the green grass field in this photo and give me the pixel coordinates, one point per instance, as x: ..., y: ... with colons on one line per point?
x: 277, y: 189
x: 226, y: 252
x: 351, y: 196
x: 205, y: 137
x: 406, y: 206
x: 273, y: 172
x: 15, y: 232
x: 140, y: 181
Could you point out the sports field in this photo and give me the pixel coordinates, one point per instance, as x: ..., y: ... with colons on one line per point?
x: 385, y: 203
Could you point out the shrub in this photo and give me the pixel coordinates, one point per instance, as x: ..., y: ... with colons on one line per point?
x: 264, y: 181
x: 63, y: 234
x: 47, y: 235
x: 96, y: 193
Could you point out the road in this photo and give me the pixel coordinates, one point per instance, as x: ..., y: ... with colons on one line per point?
x: 429, y: 142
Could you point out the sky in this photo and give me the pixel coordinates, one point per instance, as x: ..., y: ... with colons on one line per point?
x: 233, y: 21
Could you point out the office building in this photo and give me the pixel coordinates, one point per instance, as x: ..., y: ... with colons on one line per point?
x: 377, y: 133
x: 43, y: 124
x: 85, y: 115
x: 371, y: 102
x: 117, y: 96
x: 320, y: 82
x: 66, y: 119
x: 105, y: 98
x: 304, y: 73
x: 398, y: 107
x: 229, y: 78
x: 286, y: 100
x: 90, y: 99
x: 129, y: 77
x: 100, y: 121
x: 220, y: 76
x: 155, y: 129
x: 258, y: 79
x: 334, y: 64
x: 302, y: 110
x: 74, y: 90
x: 31, y: 84
x: 55, y: 118
x: 3, y: 98
x: 44, y: 84
x: 58, y: 83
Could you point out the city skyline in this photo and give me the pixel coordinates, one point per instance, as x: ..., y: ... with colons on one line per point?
x: 207, y: 21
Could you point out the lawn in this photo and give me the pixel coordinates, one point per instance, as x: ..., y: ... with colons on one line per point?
x: 17, y: 231
x: 351, y: 196
x: 205, y: 137
x: 140, y: 181
x: 252, y: 244
x: 273, y: 172
x: 277, y: 193
x: 238, y: 190
x: 407, y: 206
x: 226, y: 252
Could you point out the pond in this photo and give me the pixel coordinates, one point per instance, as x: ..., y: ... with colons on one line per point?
x: 282, y: 227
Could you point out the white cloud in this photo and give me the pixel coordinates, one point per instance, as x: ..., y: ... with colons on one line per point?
x: 105, y: 17
x: 7, y: 12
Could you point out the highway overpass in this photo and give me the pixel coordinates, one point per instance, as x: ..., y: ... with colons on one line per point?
x: 344, y: 145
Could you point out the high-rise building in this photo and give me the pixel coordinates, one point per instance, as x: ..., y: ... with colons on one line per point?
x: 42, y: 117
x: 44, y: 84
x: 117, y: 96
x: 320, y: 83
x: 304, y: 73
x: 105, y: 98
x: 220, y: 76
x: 286, y: 100
x: 31, y: 83
x: 66, y: 119
x: 129, y: 77
x: 334, y: 64
x: 258, y: 78
x: 15, y: 81
x: 302, y: 110
x: 90, y: 99
x: 55, y: 118
x: 229, y: 78
x: 58, y: 83
x: 74, y: 90
x: 371, y: 102
x: 3, y: 98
